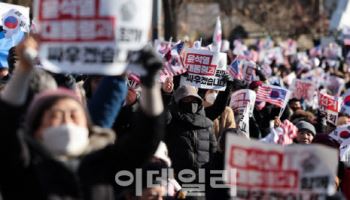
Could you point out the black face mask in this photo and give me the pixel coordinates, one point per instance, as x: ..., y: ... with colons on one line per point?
x: 191, y: 107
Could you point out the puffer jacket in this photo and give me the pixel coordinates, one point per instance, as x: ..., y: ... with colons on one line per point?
x: 190, y: 140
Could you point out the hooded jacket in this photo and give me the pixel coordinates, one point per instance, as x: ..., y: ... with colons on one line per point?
x: 190, y: 139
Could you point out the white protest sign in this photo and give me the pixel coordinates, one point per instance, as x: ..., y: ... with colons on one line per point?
x: 248, y: 71
x: 335, y: 85
x: 242, y: 104
x: 205, y: 69
x: 91, y: 36
x: 316, y: 75
x: 284, y: 134
x: 276, y: 54
x: 289, y: 47
x: 331, y: 105
x: 303, y: 89
x: 266, y: 171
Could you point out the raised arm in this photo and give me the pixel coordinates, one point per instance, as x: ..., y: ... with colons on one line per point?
x: 139, y: 145
x: 13, y: 150
x: 107, y: 101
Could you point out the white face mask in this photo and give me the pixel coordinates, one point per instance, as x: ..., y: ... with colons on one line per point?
x: 210, y: 98
x: 66, y: 140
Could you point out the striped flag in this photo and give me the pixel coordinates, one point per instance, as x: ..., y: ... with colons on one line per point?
x: 173, y: 65
x: 235, y: 69
x: 273, y: 94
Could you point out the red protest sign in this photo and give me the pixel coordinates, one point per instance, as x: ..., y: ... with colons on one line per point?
x: 328, y: 102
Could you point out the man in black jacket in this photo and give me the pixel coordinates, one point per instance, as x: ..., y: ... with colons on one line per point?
x: 189, y: 136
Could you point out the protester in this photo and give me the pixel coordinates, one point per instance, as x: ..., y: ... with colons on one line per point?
x: 189, y: 135
x: 72, y: 117
x: 59, y: 154
x: 225, y: 120
x: 306, y: 132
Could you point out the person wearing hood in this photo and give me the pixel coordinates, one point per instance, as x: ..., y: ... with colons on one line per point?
x: 59, y: 154
x: 189, y: 135
x: 225, y: 120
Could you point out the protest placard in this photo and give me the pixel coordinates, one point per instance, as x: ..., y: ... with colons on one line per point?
x: 317, y: 76
x: 242, y: 103
x: 205, y: 69
x: 91, y: 36
x: 266, y: 171
x: 289, y: 47
x: 303, y: 89
x: 248, y: 71
x: 331, y: 105
x: 133, y: 80
x: 335, y: 85
x: 284, y: 134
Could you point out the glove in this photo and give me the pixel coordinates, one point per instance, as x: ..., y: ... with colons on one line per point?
x: 152, y: 64
x: 234, y: 84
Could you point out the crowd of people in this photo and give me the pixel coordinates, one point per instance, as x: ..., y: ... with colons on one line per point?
x: 74, y: 136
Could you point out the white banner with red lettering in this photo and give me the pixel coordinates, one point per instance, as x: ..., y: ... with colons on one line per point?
x: 303, y: 89
x: 335, y: 85
x: 242, y: 103
x: 205, y: 69
x: 266, y: 171
x: 331, y: 105
x: 91, y: 36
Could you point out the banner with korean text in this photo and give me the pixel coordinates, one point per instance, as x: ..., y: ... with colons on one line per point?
x: 268, y: 171
x: 331, y: 105
x: 205, y: 69
x: 91, y: 36
x: 242, y: 103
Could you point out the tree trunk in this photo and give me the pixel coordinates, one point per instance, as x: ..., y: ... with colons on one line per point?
x: 170, y: 8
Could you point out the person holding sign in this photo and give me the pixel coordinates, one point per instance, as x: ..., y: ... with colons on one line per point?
x: 59, y: 154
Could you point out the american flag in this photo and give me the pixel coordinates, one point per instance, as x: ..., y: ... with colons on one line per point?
x: 235, y: 70
x: 173, y: 65
x: 273, y: 94
x: 174, y: 51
